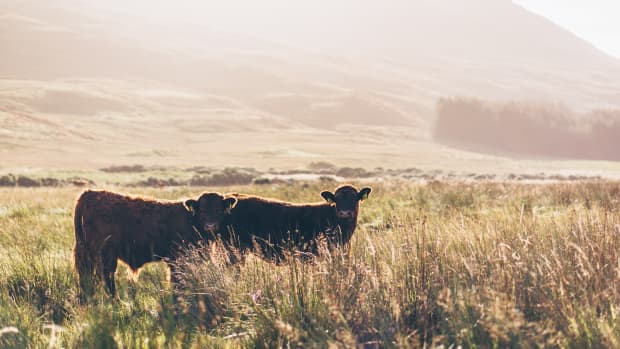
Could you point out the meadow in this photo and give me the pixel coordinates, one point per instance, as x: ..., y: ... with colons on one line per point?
x: 433, y: 264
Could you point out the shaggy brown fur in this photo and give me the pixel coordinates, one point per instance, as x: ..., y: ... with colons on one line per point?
x: 111, y: 226
x: 274, y: 225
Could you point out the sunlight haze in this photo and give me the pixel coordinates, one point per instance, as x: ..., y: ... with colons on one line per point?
x: 595, y: 21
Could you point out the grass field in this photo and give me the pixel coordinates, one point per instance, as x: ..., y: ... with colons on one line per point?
x: 476, y: 265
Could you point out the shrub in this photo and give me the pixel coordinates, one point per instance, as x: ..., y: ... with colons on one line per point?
x: 8, y: 181
x: 229, y: 176
x: 349, y: 172
x: 124, y: 169
x: 23, y: 181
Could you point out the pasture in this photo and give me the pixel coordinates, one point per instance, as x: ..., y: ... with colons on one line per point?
x: 475, y: 265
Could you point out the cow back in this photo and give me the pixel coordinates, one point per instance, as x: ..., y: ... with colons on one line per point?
x: 255, y: 218
x: 137, y: 230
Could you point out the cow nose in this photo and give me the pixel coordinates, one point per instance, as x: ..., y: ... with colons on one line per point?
x: 345, y: 214
x: 210, y: 226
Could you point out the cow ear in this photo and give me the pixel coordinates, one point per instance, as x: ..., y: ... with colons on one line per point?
x: 191, y: 205
x: 229, y: 204
x: 363, y: 194
x: 328, y: 196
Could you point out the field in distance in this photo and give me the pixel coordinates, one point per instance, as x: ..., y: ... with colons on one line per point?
x: 459, y: 264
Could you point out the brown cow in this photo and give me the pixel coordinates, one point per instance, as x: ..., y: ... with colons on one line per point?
x: 274, y: 224
x: 111, y: 226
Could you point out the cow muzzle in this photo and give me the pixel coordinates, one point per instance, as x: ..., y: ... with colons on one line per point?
x: 211, y: 227
x: 344, y: 214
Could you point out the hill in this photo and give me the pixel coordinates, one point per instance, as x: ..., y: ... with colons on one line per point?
x: 84, y: 86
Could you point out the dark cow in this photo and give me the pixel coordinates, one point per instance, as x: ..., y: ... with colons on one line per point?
x: 111, y: 226
x: 274, y: 225
x: 210, y: 211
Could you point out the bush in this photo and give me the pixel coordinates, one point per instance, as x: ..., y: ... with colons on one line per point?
x: 229, y: 176
x: 349, y: 172
x: 51, y: 182
x: 23, y: 181
x: 159, y: 182
x: 124, y: 169
x: 262, y: 181
x: 321, y: 165
x: 8, y: 181
x: 80, y: 182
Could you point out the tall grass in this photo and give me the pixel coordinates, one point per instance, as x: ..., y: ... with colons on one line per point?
x: 487, y: 265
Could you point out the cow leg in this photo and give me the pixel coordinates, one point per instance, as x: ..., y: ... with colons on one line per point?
x: 174, y: 275
x: 177, y: 294
x: 109, y: 262
x: 108, y: 276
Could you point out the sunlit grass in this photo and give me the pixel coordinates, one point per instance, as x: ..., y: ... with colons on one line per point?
x: 482, y: 265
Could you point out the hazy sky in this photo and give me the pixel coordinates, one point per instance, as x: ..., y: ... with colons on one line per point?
x: 593, y: 20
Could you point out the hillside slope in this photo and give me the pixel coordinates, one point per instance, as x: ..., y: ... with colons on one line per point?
x: 76, y: 81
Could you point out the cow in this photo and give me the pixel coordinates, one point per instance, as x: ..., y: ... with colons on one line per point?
x: 274, y: 225
x: 111, y: 226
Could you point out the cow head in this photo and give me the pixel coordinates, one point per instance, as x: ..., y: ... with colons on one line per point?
x: 346, y: 198
x: 210, y: 210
